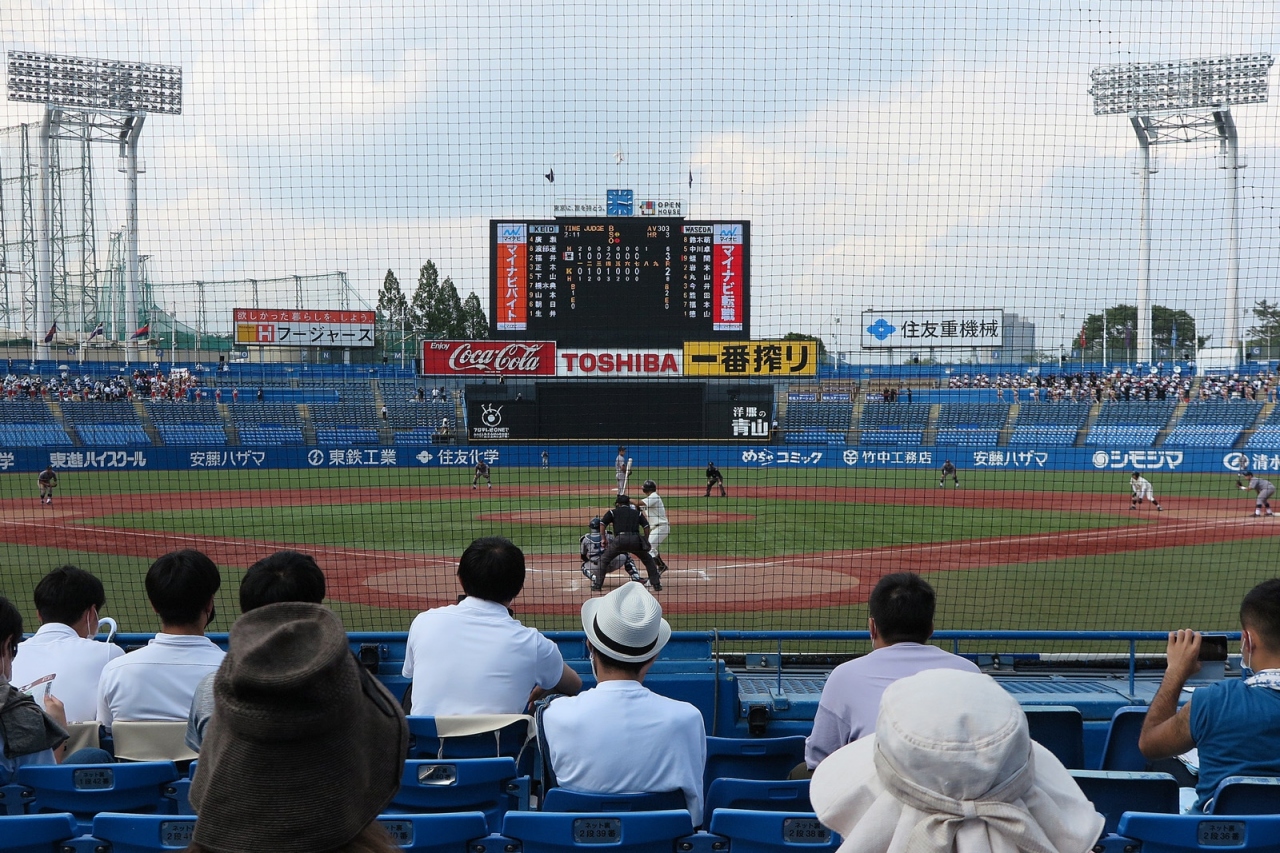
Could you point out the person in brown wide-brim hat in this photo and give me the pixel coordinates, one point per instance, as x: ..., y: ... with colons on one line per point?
x: 304, y: 748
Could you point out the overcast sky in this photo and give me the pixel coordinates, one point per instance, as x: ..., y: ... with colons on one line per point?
x: 888, y: 155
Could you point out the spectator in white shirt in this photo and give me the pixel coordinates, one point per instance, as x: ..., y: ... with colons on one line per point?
x: 69, y: 601
x: 158, y: 681
x: 901, y: 622
x: 620, y: 736
x: 474, y: 657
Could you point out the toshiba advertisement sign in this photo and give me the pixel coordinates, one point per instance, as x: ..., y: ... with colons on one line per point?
x: 619, y: 364
x: 488, y: 358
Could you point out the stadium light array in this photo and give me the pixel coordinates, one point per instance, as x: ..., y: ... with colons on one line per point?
x: 81, y: 83
x: 1186, y: 100
x: 1188, y: 84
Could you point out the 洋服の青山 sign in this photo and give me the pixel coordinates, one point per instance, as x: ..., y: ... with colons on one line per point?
x: 489, y: 358
x: 615, y: 363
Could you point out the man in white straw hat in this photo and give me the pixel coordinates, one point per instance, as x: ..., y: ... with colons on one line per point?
x: 951, y: 768
x: 621, y: 737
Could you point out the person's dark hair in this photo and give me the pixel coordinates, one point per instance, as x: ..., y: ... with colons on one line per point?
x: 902, y: 605
x: 10, y: 622
x: 622, y: 499
x: 1260, y: 612
x: 180, y: 584
x: 66, y: 593
x: 631, y: 668
x: 492, y: 568
x: 284, y: 576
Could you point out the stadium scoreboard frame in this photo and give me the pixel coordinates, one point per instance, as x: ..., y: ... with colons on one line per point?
x: 619, y: 281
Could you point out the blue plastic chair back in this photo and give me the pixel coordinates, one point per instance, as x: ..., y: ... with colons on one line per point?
x: 86, y: 789
x: 435, y: 833
x: 782, y: 795
x: 139, y: 833
x: 1247, y: 795
x: 576, y: 832
x: 488, y: 785
x: 751, y: 758
x: 750, y: 831
x: 1191, y: 833
x: 1114, y: 792
x: 425, y: 741
x: 36, y: 833
x: 1120, y: 749
x: 1059, y: 729
x: 565, y: 800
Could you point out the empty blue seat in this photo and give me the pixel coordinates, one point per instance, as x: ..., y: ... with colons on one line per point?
x: 618, y: 832
x: 87, y: 789
x: 436, y: 833
x: 37, y: 833
x: 134, y: 833
x: 1191, y: 833
x: 772, y: 832
x: 488, y: 785
x: 751, y: 758
x: 1246, y: 795
x: 1114, y: 792
x: 565, y: 800
x: 1059, y: 729
x: 1120, y: 749
x: 770, y: 795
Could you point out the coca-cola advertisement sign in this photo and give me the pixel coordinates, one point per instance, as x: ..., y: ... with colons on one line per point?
x: 489, y: 358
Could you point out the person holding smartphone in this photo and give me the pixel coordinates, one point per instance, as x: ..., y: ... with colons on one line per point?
x: 1228, y: 722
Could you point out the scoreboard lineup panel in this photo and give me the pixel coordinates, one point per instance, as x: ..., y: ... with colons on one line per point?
x: 619, y: 282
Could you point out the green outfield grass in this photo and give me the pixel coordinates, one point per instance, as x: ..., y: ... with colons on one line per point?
x: 1154, y: 589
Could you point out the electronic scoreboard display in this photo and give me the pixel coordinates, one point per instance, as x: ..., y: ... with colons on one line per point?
x: 619, y: 282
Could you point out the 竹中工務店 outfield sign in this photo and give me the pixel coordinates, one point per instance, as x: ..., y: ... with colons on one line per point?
x: 271, y: 327
x: 750, y: 358
x: 935, y: 327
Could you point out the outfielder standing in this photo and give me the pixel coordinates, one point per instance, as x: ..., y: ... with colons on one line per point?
x: 620, y: 469
x: 1265, y: 490
x: 659, y: 528
x: 482, y: 470
x: 715, y: 478
x: 48, y: 481
x: 1142, y: 490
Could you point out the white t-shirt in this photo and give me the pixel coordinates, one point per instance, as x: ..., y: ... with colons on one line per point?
x: 76, y: 662
x: 850, y: 699
x: 157, y: 681
x: 474, y: 658
x: 621, y: 737
x: 654, y: 509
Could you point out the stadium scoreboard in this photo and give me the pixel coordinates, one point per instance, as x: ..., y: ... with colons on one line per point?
x: 619, y: 282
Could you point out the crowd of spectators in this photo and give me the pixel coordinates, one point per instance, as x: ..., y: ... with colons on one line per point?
x: 1081, y: 387
x: 154, y: 384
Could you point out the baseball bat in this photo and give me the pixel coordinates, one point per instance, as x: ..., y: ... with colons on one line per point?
x: 626, y: 476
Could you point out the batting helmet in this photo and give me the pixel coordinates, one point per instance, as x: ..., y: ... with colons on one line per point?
x: 595, y: 523
x: 649, y: 486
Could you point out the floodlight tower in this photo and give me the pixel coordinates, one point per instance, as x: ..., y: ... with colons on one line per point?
x: 91, y: 100
x: 1184, y: 101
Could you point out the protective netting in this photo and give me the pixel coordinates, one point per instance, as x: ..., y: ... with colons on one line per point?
x: 826, y: 247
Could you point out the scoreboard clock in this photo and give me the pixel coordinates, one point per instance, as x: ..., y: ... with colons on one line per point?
x: 620, y: 202
x: 624, y: 282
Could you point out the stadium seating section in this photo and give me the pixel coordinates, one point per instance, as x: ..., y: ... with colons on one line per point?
x: 971, y: 424
x: 1214, y: 424
x: 893, y: 423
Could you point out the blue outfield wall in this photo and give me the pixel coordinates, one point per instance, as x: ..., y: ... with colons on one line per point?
x: 1197, y: 460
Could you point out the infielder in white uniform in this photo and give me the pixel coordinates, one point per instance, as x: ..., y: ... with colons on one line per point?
x: 1142, y: 491
x: 652, y: 506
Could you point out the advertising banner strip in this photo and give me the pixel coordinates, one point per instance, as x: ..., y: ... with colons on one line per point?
x: 750, y: 358
x: 619, y: 363
x: 288, y: 333
x: 940, y: 328
x: 729, y: 290
x: 294, y: 315
x: 489, y: 358
x: 513, y: 277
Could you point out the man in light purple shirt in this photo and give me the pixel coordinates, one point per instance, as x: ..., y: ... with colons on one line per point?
x: 901, y: 622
